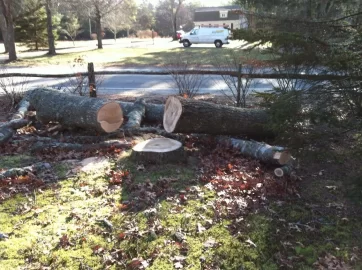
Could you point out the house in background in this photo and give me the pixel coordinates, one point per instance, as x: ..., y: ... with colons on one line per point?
x: 231, y: 17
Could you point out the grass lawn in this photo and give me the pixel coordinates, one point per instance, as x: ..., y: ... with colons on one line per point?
x: 140, y: 56
x: 128, y: 216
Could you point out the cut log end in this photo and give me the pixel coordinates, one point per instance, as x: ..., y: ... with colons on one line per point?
x: 159, y: 150
x: 282, y: 157
x: 278, y: 172
x: 110, y: 117
x: 173, y: 111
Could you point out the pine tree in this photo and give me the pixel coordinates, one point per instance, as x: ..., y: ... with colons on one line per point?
x: 32, y: 29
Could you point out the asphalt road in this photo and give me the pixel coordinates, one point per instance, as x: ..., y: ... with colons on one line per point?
x: 137, y: 84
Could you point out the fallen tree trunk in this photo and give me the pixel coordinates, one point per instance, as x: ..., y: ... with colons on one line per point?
x: 15, y: 172
x: 23, y: 108
x: 190, y: 116
x: 153, y: 113
x: 7, y: 130
x: 136, y: 115
x: 266, y: 153
x: 76, y: 111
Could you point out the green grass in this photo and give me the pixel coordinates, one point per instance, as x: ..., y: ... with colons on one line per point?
x: 139, y: 56
x: 294, y: 232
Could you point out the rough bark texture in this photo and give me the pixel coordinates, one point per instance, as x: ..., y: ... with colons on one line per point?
x: 153, y: 113
x: 136, y: 115
x: 77, y: 147
x: 7, y: 12
x: 22, y: 109
x: 265, y: 153
x: 4, y: 31
x: 7, y: 130
x: 99, y: 27
x: 189, y: 116
x: 16, y: 172
x: 51, y: 43
x: 76, y: 111
x: 158, y: 151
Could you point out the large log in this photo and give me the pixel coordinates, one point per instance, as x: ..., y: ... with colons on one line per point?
x: 76, y: 111
x: 190, y: 116
x: 266, y: 153
x: 154, y: 112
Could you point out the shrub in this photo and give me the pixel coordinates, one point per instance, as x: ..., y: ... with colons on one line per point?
x: 146, y: 34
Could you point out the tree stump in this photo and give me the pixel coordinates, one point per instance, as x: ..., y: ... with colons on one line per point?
x: 159, y: 151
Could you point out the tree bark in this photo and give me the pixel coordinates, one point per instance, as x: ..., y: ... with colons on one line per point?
x: 190, y: 116
x: 153, y: 112
x: 7, y: 130
x: 159, y: 151
x: 4, y: 32
x: 136, y: 115
x: 76, y: 111
x: 16, y: 172
x: 99, y: 28
x: 22, y: 109
x: 51, y: 43
x: 261, y: 151
x: 6, y: 9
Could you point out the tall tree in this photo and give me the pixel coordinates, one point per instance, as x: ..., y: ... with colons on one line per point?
x: 6, y: 8
x: 100, y: 8
x: 32, y: 29
x: 175, y: 6
x: 51, y: 43
x: 4, y: 31
x: 122, y: 17
x: 145, y: 16
x: 69, y: 26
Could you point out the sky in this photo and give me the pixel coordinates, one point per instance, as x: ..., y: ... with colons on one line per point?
x: 206, y: 3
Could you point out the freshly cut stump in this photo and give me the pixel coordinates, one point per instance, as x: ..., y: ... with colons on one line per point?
x: 76, y: 111
x: 159, y: 151
x: 191, y: 116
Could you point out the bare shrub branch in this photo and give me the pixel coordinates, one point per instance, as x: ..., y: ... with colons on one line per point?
x: 12, y: 88
x: 238, y: 87
x: 188, y: 85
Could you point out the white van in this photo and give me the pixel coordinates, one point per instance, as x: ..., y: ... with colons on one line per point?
x: 213, y: 35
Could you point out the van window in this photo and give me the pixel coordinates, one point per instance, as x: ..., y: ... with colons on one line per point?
x: 194, y: 32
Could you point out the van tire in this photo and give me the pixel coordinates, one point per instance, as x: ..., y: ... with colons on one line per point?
x: 218, y: 43
x: 186, y: 43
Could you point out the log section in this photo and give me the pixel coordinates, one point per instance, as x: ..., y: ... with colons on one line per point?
x: 159, y: 151
x: 76, y: 111
x: 261, y: 151
x: 136, y: 115
x: 190, y: 116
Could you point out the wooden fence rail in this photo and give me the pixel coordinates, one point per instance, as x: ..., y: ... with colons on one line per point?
x: 324, y: 77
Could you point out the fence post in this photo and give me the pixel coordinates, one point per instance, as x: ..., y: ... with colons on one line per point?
x: 239, y: 87
x: 92, y: 81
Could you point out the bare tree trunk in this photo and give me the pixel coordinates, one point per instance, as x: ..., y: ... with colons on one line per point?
x: 4, y: 32
x: 99, y: 28
x: 6, y: 9
x: 50, y: 28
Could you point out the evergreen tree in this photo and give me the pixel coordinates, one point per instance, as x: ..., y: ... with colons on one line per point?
x: 32, y: 29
